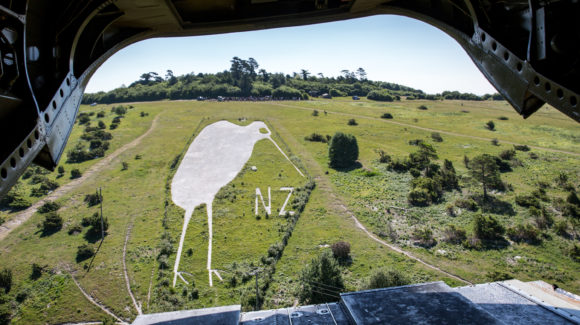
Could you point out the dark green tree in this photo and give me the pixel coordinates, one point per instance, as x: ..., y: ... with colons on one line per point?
x: 384, y: 278
x: 487, y: 227
x: 321, y: 280
x: 483, y: 169
x: 343, y: 150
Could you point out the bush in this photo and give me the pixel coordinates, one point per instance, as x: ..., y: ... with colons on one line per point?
x: 321, y: 280
x: 119, y: 110
x: 75, y: 173
x: 574, y: 252
x: 422, y: 107
x: 37, y: 271
x: 6, y: 280
x: 92, y: 199
x: 387, y: 116
x: 343, y: 150
x: 561, y: 228
x: 502, y: 118
x: 542, y: 217
x: 383, y: 157
x: 573, y: 199
x: 352, y: 122
x: 315, y: 137
x: 454, y: 235
x: 521, y: 147
x: 528, y: 201
x: 95, y: 223
x: 508, y: 154
x: 419, y: 197
x: 520, y: 233
x: 436, y: 137
x: 495, y: 142
x: 490, y: 125
x: 52, y: 222
x: 424, y: 237
x: 487, y: 227
x: 424, y: 191
x: 49, y: 206
x: 380, y: 95
x: 100, y: 114
x: 60, y: 170
x: 384, y: 278
x: 84, y: 252
x: 75, y: 229
x: 341, y: 250
x: 315, y: 112
x: 84, y: 119
x: 336, y: 93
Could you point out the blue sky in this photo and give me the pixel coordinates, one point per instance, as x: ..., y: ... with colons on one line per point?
x: 390, y: 48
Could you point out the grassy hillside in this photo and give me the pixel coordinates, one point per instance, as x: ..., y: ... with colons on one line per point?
x: 136, y: 198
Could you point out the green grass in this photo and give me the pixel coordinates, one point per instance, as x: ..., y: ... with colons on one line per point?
x: 137, y: 196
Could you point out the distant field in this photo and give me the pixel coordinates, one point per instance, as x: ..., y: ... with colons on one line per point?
x: 138, y: 197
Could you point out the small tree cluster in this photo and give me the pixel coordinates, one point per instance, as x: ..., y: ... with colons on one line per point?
x: 381, y: 95
x: 343, y: 150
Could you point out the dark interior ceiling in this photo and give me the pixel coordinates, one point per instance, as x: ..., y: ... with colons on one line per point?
x: 529, y: 50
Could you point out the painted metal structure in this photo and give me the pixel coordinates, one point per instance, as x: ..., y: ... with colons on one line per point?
x: 529, y: 50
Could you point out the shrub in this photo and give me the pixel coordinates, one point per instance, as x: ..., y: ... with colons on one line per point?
x: 336, y: 93
x: 380, y: 95
x: 352, y: 122
x: 415, y: 172
x: 343, y: 150
x: 52, y: 222
x: 165, y: 247
x: 520, y: 233
x: 315, y: 137
x: 75, y: 173
x: 101, y: 114
x: 49, y: 206
x: 6, y: 280
x: 454, y: 235
x: 398, y: 165
x: 422, y: 107
x: 37, y: 270
x: 495, y: 142
x: 84, y: 119
x: 383, y: 157
x: 521, y: 147
x: 315, y: 112
x: 561, y: 228
x: 542, y: 217
x: 102, y: 125
x: 495, y: 276
x: 573, y: 199
x: 384, y: 278
x: 341, y: 250
x: 323, y: 272
x: 424, y: 237
x: 124, y: 165
x: 92, y: 199
x: 502, y: 118
x: 574, y: 252
x: 387, y: 116
x: 84, y: 252
x: 119, y: 110
x: 95, y: 223
x: 60, y: 170
x: 419, y: 197
x: 487, y: 227
x: 528, y: 201
x: 424, y: 191
x: 490, y: 125
x: 508, y: 154
x: 75, y: 229
x: 436, y: 137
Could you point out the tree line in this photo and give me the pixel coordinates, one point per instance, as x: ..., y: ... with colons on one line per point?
x: 246, y: 79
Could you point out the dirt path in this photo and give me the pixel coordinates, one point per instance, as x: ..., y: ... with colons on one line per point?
x: 21, y: 217
x: 135, y: 304
x: 433, y: 130
x: 96, y: 303
x: 323, y: 182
